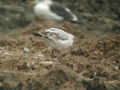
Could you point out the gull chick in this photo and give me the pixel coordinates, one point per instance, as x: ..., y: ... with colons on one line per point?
x: 52, y: 10
x: 57, y: 38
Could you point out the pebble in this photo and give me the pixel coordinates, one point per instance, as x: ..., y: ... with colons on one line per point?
x: 26, y: 50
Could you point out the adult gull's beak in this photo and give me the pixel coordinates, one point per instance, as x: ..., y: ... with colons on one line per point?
x: 33, y: 3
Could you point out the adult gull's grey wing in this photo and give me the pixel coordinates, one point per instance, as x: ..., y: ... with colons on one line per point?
x: 62, y: 11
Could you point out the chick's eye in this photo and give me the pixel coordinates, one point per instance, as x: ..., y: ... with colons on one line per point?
x: 52, y: 34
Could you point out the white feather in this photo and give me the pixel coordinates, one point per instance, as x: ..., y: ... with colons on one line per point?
x: 42, y: 9
x: 64, y: 41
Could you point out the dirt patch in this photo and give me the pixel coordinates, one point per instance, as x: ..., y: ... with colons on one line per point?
x: 92, y: 64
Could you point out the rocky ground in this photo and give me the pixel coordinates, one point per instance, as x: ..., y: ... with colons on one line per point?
x: 92, y: 64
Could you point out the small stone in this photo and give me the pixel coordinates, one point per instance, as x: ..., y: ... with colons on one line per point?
x: 26, y: 50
